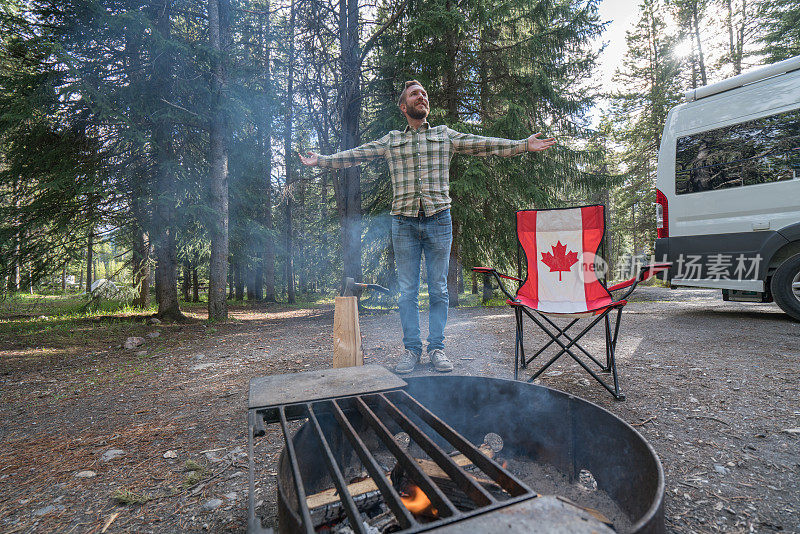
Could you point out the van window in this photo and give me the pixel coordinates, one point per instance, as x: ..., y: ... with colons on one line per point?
x: 754, y: 152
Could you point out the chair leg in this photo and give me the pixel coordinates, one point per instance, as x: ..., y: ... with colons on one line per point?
x: 616, y: 329
x: 563, y: 331
x: 572, y: 341
x: 607, y: 368
x: 518, y: 348
x: 613, y: 362
x: 566, y: 348
x: 522, y: 361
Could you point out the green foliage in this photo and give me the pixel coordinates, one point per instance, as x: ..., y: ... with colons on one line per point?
x: 95, y: 135
x: 781, y: 36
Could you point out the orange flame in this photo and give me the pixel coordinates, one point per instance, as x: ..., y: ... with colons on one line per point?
x: 416, y: 501
x: 505, y: 464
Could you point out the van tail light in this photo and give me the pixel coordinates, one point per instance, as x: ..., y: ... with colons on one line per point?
x: 662, y: 215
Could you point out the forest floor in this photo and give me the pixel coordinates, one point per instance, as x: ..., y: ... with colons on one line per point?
x: 99, y: 438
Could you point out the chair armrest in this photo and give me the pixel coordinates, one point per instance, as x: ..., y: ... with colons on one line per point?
x: 622, y: 285
x: 648, y: 271
x: 492, y: 270
x: 498, y: 276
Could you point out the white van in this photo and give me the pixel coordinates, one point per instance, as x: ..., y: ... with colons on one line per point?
x: 728, y: 187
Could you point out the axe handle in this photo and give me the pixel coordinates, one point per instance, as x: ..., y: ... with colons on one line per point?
x: 373, y: 286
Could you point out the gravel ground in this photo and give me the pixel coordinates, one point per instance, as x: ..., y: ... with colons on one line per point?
x: 712, y: 385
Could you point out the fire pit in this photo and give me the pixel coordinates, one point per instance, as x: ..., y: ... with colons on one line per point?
x: 449, y: 454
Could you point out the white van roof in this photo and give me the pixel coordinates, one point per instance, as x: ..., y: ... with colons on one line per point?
x: 768, y: 71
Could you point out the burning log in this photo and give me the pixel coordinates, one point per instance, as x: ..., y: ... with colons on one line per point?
x: 330, y: 496
x: 367, y: 485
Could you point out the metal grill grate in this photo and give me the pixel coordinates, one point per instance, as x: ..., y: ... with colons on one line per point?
x: 372, y: 409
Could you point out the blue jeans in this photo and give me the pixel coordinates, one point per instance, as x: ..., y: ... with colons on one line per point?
x: 411, y: 237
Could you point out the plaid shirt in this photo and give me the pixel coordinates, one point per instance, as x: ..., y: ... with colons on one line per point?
x: 419, y: 163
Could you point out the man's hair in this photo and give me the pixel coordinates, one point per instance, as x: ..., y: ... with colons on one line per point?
x: 409, y: 83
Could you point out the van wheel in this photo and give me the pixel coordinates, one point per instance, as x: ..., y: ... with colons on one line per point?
x: 785, y: 286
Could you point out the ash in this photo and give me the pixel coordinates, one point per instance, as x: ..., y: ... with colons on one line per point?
x: 547, y: 480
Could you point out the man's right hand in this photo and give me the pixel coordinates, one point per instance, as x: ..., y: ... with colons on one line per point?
x: 311, y: 159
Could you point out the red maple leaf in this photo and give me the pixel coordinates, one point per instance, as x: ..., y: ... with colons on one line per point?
x: 559, y: 260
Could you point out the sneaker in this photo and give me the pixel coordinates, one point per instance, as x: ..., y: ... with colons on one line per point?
x: 407, y: 362
x: 440, y: 361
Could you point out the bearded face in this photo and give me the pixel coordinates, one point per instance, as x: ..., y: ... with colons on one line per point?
x: 416, y: 103
x: 417, y: 113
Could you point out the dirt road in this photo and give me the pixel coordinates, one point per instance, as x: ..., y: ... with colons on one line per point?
x: 714, y: 387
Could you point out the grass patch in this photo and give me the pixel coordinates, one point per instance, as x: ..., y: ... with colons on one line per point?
x: 191, y: 465
x: 128, y: 497
x: 26, y: 305
x: 196, y: 474
x: 38, y: 323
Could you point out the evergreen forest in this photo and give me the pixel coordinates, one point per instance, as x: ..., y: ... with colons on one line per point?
x: 155, y: 143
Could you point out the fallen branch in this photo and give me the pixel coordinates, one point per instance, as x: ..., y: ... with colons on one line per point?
x: 110, y: 520
x: 708, y: 417
x: 643, y: 422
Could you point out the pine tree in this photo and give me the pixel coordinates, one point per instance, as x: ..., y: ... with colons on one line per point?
x: 650, y: 81
x: 503, y: 70
x: 781, y: 20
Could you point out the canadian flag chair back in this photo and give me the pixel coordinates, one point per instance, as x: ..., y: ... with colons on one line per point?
x: 561, y: 246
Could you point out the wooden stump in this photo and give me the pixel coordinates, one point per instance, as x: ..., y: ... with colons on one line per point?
x: 346, y: 334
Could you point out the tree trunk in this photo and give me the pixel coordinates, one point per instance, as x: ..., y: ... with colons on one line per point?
x: 737, y: 62
x: 252, y: 282
x: 164, y: 190
x: 289, y: 161
x: 694, y: 66
x: 238, y: 281
x: 488, y: 292
x: 454, y: 267
x: 266, y: 144
x: 195, y: 283
x: 141, y: 268
x: 186, y: 282
x: 15, y: 268
x: 731, y: 42
x: 218, y: 22
x: 89, y: 261
x: 736, y: 36
x: 258, y: 275
x: 700, y: 58
x: 64, y: 278
x: 450, y: 89
x: 302, y: 260
x: 140, y: 257
x: 14, y: 274
x: 15, y: 271
x: 474, y: 283
x: 289, y: 249
x: 349, y: 191
x: 269, y: 259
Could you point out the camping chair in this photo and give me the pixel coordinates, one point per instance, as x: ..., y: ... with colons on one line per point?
x: 561, y: 247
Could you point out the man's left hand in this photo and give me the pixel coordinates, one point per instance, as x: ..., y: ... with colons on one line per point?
x: 537, y: 145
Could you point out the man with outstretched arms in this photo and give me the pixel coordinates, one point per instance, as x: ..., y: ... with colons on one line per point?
x: 419, y: 164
